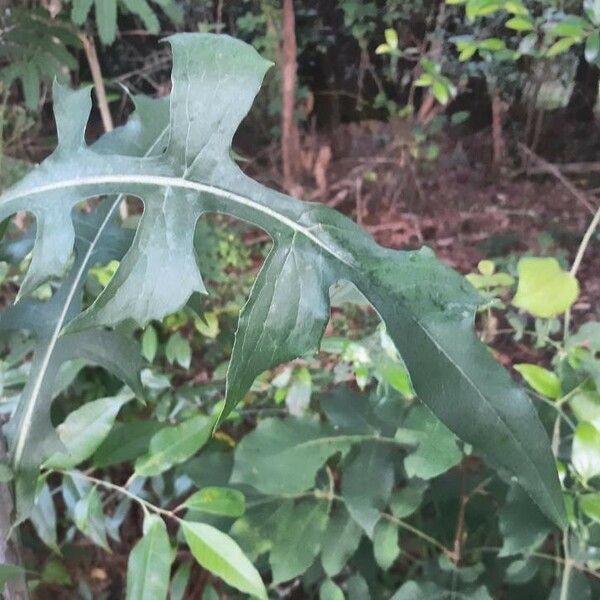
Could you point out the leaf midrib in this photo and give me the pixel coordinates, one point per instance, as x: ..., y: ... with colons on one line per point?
x: 178, y: 182
x: 41, y: 373
x: 482, y: 396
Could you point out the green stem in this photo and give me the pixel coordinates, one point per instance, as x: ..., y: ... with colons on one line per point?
x: 566, y: 576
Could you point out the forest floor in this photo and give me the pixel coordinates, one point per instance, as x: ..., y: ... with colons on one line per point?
x: 457, y: 205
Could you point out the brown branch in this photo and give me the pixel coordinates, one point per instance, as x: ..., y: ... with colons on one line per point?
x: 92, y: 57
x: 551, y: 169
x: 289, y: 132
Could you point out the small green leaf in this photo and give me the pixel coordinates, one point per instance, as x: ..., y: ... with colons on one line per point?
x: 208, y: 325
x: 586, y: 407
x: 590, y: 504
x: 180, y: 581
x: 297, y: 398
x: 219, y: 554
x: 544, y: 382
x: 340, y: 541
x: 436, y: 450
x: 173, y: 445
x: 367, y: 481
x: 493, y: 44
x: 570, y: 28
x: 586, y: 451
x: 486, y: 267
x: 521, y: 523
x: 544, y: 289
x: 329, y: 590
x: 385, y: 544
x: 106, y: 20
x: 80, y: 11
x: 391, y: 38
x: 405, y: 501
x: 30, y: 78
x: 516, y: 7
x: 178, y: 350
x: 592, y: 47
x: 217, y: 501
x: 422, y: 590
x: 85, y: 429
x: 125, y: 442
x: 6, y: 473
x: 55, y: 573
x: 283, y: 456
x: 8, y: 573
x: 149, y: 343
x: 592, y: 10
x: 43, y: 518
x: 149, y: 563
x: 440, y: 92
x: 89, y: 518
x: 298, y: 537
x: 561, y: 46
x: 519, y: 24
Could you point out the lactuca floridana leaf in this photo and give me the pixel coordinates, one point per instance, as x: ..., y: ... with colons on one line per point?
x: 428, y: 309
x: 31, y: 435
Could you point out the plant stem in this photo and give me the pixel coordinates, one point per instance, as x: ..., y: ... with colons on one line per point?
x: 585, y: 242
x: 289, y: 132
x: 92, y: 58
x: 107, y: 122
x: 566, y: 576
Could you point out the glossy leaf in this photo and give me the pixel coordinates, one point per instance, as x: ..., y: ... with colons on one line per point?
x: 586, y: 450
x: 85, y: 429
x: 298, y: 538
x: 542, y: 380
x: 340, y: 540
x: 8, y: 573
x: 217, y: 501
x: 89, y: 518
x: 219, y: 554
x: 590, y: 505
x: 405, y: 501
x: 149, y: 563
x: 436, y: 450
x: 428, y: 309
x: 284, y: 456
x: 43, y: 518
x: 385, y: 544
x: 180, y: 581
x: 174, y: 445
x: 367, y: 480
x: 125, y: 442
x: 544, y: 289
x: 329, y: 590
x: 522, y: 525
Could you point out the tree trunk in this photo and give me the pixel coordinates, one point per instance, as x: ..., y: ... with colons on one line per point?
x: 290, y: 145
x: 497, y: 133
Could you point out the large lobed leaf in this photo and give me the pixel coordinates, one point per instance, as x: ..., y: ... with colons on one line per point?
x: 428, y: 308
x: 32, y: 437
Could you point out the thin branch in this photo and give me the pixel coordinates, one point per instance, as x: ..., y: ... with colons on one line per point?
x: 553, y: 170
x: 92, y: 57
